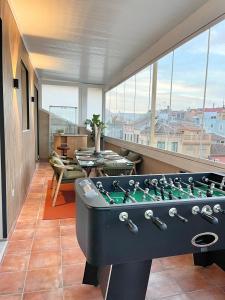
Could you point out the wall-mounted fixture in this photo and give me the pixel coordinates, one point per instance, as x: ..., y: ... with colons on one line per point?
x: 15, y: 83
x: 32, y: 99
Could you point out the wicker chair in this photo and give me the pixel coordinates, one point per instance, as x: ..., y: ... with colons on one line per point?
x: 136, y: 159
x: 65, y: 160
x: 123, y: 152
x: 63, y: 174
x: 115, y: 169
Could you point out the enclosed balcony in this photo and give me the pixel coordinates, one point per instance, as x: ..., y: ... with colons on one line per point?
x: 94, y: 89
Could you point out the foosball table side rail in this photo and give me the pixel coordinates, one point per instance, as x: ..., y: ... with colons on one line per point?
x: 105, y: 239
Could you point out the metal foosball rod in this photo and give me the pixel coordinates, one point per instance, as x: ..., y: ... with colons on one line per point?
x: 206, y: 213
x: 180, y: 189
x: 103, y: 191
x: 154, y: 183
x: 123, y: 217
x: 145, y: 191
x: 206, y: 180
x: 189, y: 186
x: 163, y: 181
x: 116, y: 184
x: 155, y: 220
x: 174, y: 213
x: 171, y: 184
x: 191, y: 179
x: 190, y: 192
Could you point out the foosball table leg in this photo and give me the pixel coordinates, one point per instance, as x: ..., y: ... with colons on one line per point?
x: 90, y: 275
x: 208, y: 258
x: 122, y: 281
x: 203, y: 259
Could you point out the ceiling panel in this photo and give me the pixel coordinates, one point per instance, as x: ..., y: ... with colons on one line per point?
x: 91, y: 40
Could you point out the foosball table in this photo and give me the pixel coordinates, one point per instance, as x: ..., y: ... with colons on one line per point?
x: 124, y: 222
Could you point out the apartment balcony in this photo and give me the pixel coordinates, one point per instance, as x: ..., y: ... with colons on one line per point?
x: 153, y: 73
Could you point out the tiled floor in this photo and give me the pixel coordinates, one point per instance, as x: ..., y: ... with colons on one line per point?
x: 43, y: 261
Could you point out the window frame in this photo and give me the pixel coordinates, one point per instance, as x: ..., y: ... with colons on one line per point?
x: 22, y: 64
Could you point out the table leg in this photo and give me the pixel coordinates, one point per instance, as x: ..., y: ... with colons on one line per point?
x: 88, y: 171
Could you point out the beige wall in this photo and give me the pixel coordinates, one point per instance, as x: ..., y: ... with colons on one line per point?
x: 43, y: 134
x: 20, y: 145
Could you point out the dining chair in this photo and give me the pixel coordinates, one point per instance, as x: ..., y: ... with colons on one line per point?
x: 115, y: 169
x: 63, y: 174
x: 135, y: 158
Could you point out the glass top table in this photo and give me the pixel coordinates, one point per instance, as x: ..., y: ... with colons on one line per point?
x: 89, y: 160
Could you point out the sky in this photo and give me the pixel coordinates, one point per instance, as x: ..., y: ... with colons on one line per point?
x: 189, y: 77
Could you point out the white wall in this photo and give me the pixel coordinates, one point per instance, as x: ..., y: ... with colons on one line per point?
x: 59, y: 96
x: 94, y: 102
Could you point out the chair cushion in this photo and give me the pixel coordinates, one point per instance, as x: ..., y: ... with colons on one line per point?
x: 75, y: 168
x: 123, y: 152
x: 70, y: 175
x: 57, y: 161
x: 53, y: 153
x: 116, y: 165
x: 116, y: 169
x: 87, y: 149
x: 132, y: 156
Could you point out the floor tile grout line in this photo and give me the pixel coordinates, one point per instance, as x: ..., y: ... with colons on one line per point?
x: 26, y: 274
x: 61, y: 254
x: 29, y: 254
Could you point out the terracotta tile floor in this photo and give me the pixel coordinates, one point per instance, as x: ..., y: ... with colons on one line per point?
x: 43, y: 261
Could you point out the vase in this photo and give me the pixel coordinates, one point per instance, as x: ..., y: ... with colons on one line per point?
x: 97, y: 139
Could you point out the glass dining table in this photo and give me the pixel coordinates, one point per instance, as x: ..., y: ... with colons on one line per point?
x: 89, y: 160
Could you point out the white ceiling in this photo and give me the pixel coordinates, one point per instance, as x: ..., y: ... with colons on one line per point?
x: 92, y: 40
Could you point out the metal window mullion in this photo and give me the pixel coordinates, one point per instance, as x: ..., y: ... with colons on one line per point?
x: 204, y: 93
x: 153, y: 102
x: 171, y: 93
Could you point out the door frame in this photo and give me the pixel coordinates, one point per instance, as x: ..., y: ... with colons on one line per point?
x: 2, y: 142
x: 37, y: 120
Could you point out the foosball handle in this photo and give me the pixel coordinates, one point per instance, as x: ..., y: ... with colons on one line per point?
x: 209, y: 218
x: 131, y: 226
x: 162, y: 226
x: 181, y: 218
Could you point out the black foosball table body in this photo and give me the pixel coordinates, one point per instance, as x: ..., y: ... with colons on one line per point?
x: 174, y: 214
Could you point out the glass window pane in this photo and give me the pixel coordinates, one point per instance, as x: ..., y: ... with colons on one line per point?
x: 129, y: 104
x: 142, y: 106
x: 56, y: 95
x: 163, y: 97
x: 214, y: 114
x: 108, y: 119
x: 94, y: 102
x: 185, y: 118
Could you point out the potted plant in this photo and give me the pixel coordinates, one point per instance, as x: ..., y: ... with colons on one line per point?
x: 60, y: 131
x: 97, y: 127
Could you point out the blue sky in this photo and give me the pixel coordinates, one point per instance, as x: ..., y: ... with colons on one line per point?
x: 188, y: 78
